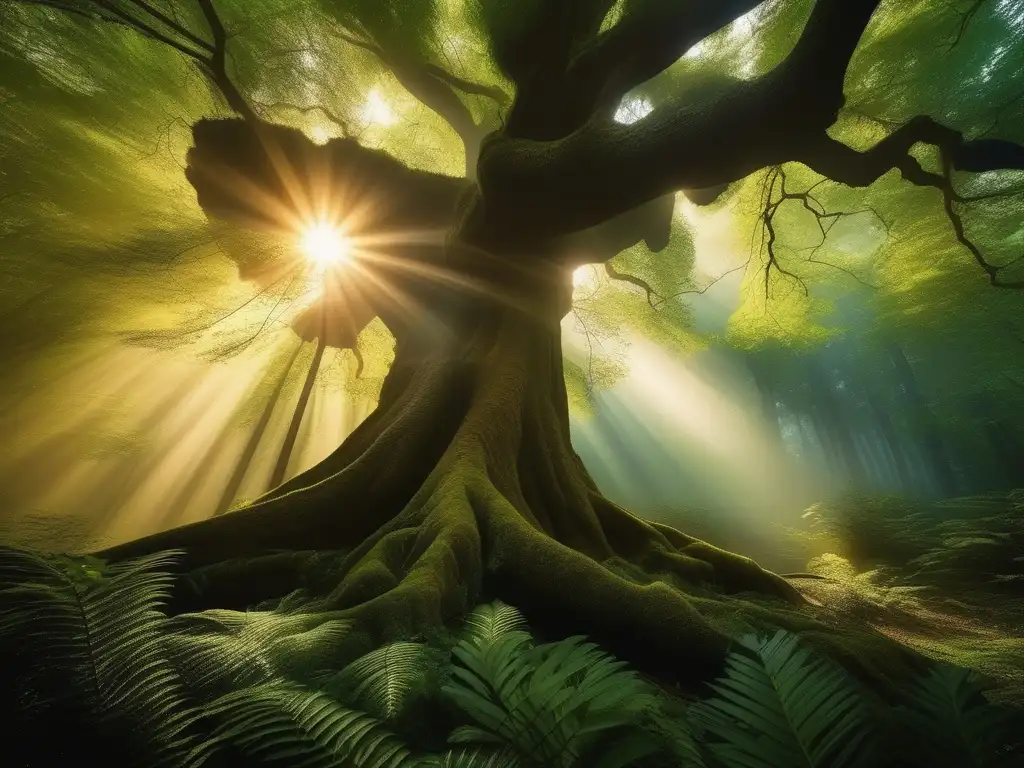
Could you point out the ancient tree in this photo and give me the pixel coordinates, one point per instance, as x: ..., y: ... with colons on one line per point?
x: 464, y: 481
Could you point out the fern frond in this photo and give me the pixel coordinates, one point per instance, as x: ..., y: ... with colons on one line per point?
x: 553, y: 703
x: 381, y: 681
x: 219, y: 650
x: 489, y: 621
x: 952, y: 724
x: 475, y: 757
x: 679, y: 741
x: 87, y: 646
x: 781, y: 707
x: 280, y: 723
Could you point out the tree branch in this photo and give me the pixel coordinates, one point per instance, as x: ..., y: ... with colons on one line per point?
x: 217, y: 64
x: 533, y: 190
x: 211, y: 58
x: 329, y: 114
x: 561, y: 97
x: 149, y: 31
x: 614, y: 274
x: 495, y: 94
x: 824, y: 219
x: 172, y: 24
x: 860, y: 169
x: 433, y: 87
x: 544, y: 188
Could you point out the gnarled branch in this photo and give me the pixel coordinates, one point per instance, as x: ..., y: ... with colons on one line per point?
x: 640, y: 283
x: 544, y: 188
x: 824, y: 218
x: 859, y: 169
x: 209, y: 57
x: 561, y: 97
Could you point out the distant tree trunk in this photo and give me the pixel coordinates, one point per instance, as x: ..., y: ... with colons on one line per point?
x: 1006, y: 448
x: 833, y: 417
x: 831, y: 457
x: 769, y: 400
x: 245, y: 460
x: 300, y: 409
x: 923, y: 421
x: 872, y: 459
x: 892, y: 441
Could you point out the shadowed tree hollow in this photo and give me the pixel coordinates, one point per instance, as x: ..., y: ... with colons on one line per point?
x: 464, y: 482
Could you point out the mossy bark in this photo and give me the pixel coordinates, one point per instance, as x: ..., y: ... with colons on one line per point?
x: 463, y: 485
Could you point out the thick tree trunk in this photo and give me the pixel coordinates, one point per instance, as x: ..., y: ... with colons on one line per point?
x: 464, y: 483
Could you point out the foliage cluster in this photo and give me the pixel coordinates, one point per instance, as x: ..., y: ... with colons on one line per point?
x: 94, y: 651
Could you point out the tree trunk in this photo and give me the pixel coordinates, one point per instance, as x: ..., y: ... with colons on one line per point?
x: 245, y: 460
x: 833, y: 417
x: 924, y: 424
x: 464, y: 483
x: 885, y: 426
x: 287, y: 448
x: 769, y: 405
x: 1005, y: 467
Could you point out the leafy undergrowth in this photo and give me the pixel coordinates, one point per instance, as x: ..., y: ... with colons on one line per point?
x: 100, y: 674
x: 945, y: 578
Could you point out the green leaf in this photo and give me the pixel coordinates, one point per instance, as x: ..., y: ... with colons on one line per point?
x: 781, y: 708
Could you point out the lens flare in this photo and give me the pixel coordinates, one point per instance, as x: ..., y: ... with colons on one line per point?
x: 325, y: 244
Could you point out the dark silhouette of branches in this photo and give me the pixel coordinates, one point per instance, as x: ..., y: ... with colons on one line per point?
x: 614, y: 274
x: 859, y: 169
x: 209, y: 56
x: 824, y: 219
x: 344, y: 125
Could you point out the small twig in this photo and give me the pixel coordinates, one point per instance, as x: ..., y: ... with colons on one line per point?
x: 171, y: 23
x: 698, y: 291
x: 334, y: 118
x: 149, y: 31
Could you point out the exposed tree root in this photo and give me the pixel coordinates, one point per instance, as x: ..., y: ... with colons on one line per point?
x: 464, y: 486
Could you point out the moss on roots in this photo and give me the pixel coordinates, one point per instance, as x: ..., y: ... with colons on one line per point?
x: 464, y: 486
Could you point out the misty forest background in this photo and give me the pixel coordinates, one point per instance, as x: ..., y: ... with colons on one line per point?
x: 150, y: 372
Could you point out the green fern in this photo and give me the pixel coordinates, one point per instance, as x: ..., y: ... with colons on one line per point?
x: 381, y: 681
x: 781, y: 707
x: 561, y: 704
x: 475, y: 757
x: 673, y: 729
x: 281, y: 723
x: 491, y: 621
x: 952, y: 724
x: 220, y: 650
x: 84, y: 646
